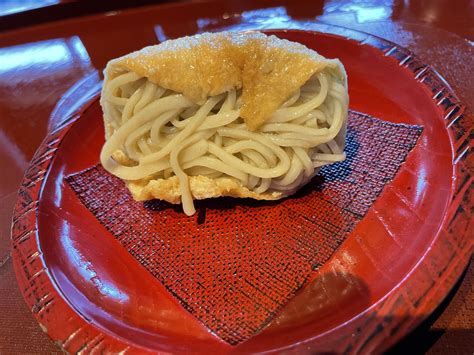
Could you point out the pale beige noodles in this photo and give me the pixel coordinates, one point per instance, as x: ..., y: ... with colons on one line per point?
x: 159, y: 138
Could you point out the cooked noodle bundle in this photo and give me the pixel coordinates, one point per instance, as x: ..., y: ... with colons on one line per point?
x: 227, y: 114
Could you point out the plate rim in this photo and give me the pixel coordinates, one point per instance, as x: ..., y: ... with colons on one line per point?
x: 77, y: 334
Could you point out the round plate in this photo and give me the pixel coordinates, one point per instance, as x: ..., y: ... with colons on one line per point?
x: 88, y: 293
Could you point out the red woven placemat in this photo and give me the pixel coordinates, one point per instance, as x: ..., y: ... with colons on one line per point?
x: 236, y: 262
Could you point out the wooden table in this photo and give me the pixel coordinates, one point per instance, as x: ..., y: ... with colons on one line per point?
x: 38, y: 63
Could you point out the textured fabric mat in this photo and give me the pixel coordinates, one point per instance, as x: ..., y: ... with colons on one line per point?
x: 236, y: 262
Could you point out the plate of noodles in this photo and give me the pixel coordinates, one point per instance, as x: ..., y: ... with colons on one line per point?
x: 288, y: 190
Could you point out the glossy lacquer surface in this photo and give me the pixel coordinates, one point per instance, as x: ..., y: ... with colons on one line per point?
x: 379, y: 284
x: 39, y: 64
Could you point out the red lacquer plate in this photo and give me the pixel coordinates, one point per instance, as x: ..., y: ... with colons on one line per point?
x: 396, y: 266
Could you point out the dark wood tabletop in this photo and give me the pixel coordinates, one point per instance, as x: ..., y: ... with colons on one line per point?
x: 44, y: 50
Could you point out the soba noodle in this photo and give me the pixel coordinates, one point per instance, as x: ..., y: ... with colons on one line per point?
x: 163, y: 134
